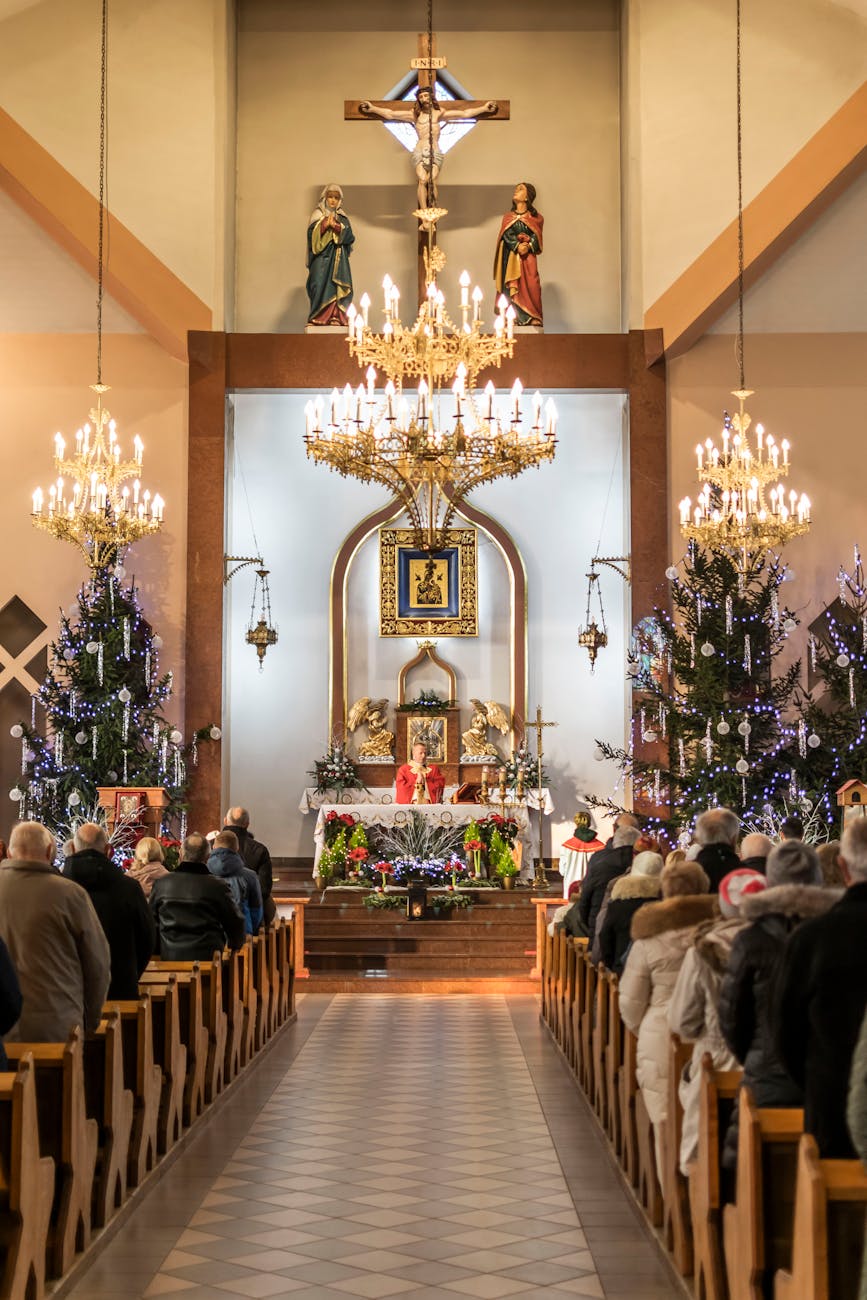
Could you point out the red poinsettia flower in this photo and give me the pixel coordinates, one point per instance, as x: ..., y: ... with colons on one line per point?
x: 474, y: 845
x: 331, y: 817
x: 385, y: 867
x: 358, y: 855
x: 347, y: 819
x: 496, y: 820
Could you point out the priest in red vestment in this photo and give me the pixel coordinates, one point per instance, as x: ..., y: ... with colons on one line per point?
x: 419, y: 781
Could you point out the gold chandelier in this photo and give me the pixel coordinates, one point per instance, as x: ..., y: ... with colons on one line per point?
x: 90, y: 504
x: 738, y: 509
x: 97, y: 511
x: 433, y: 446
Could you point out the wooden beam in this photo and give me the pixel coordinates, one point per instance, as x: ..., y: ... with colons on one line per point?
x: 788, y: 205
x: 69, y: 213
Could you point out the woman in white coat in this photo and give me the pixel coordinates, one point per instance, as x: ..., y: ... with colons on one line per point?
x: 661, y: 934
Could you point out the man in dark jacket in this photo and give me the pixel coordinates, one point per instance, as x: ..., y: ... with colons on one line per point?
x: 193, y: 910
x: 120, y: 904
x: 255, y: 855
x: 822, y: 996
x: 717, y: 831
x: 604, y: 866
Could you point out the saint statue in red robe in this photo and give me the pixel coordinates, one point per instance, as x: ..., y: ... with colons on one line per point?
x: 419, y: 781
x: 519, y: 243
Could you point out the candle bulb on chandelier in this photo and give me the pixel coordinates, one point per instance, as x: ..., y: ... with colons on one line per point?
x: 477, y: 304
x: 510, y: 323
x: 464, y: 282
x: 517, y: 389
x: 489, y: 393
x: 371, y: 382
x: 386, y: 289
x: 365, y: 308
x: 139, y: 449
x: 37, y: 501
x: 59, y: 446
x: 422, y: 400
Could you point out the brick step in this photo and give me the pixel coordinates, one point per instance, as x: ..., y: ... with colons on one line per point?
x: 385, y: 982
x: 417, y: 963
x: 468, y: 926
x: 444, y: 944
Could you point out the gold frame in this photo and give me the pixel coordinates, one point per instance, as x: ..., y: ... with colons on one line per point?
x: 466, y: 623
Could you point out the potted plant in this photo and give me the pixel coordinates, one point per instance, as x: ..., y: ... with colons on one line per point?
x: 503, y: 861
x: 324, y: 871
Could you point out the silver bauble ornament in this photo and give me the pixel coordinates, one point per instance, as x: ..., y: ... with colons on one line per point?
x: 723, y: 727
x: 742, y: 766
x: 813, y: 740
x: 215, y: 733
x: 707, y: 650
x: 17, y: 731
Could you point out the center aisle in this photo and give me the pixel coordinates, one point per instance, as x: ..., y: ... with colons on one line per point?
x: 389, y: 1146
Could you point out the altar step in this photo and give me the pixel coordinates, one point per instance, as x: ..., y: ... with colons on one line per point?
x: 440, y: 985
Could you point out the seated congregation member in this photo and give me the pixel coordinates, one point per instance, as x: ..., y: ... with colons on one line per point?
x: 716, y: 834
x: 754, y: 851
x: 644, y: 844
x: 147, y: 863
x: 226, y: 863
x: 661, y: 934
x: 255, y: 855
x: 556, y: 922
x: 832, y: 868
x: 605, y: 865
x: 747, y: 1012
x: 120, y: 905
x: 55, y: 941
x: 822, y: 999
x: 791, y: 828
x: 193, y: 910
x: 693, y: 1012
x: 10, y: 998
x: 640, y: 885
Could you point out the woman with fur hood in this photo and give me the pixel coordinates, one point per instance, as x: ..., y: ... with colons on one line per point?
x: 661, y: 934
x: 639, y: 886
x: 746, y: 1010
x: 693, y: 1010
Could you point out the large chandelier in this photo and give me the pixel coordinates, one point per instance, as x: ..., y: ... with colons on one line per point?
x: 743, y: 507
x: 91, y: 504
x: 430, y: 438
x: 738, y: 509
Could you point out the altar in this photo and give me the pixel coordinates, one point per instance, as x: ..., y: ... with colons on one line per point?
x: 379, y: 809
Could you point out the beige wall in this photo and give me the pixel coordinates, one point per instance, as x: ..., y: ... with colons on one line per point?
x: 562, y: 136
x: 167, y: 75
x: 801, y: 60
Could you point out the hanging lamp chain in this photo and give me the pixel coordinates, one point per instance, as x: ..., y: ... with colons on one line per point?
x: 740, y: 350
x: 103, y: 82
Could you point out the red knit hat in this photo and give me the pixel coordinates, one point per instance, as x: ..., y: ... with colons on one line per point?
x: 737, y: 885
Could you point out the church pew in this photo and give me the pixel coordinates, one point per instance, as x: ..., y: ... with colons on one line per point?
x: 627, y: 1088
x: 144, y: 1079
x: 111, y: 1105
x: 26, y: 1186
x: 718, y: 1096
x: 194, y: 1030
x: 568, y: 1023
x: 269, y: 938
x: 599, y: 1096
x: 578, y: 948
x: 560, y: 988
x: 830, y: 1204
x: 170, y: 1054
x: 286, y: 967
x: 251, y: 1010
x: 587, y: 1014
x: 758, y: 1225
x: 214, y: 1016
x: 676, y: 1230
x: 546, y: 963
x: 233, y: 1005
x: 613, y: 1062
x: 648, y: 1189
x: 262, y: 986
x: 69, y: 1138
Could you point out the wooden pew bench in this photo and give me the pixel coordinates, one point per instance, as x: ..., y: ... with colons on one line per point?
x: 579, y: 951
x: 144, y: 1078
x: 69, y: 1138
x: 285, y: 929
x: 233, y: 1006
x: 676, y: 1231
x: 110, y: 1103
x: 758, y: 1225
x: 26, y: 1186
x: 193, y: 1032
x: 830, y: 1207
x: 627, y: 1088
x: 718, y: 1097
x: 213, y: 1015
x: 170, y: 1054
x: 262, y: 985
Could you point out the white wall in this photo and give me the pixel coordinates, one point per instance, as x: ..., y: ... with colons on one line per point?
x: 277, y: 721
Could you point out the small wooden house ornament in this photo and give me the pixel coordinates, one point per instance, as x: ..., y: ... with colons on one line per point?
x: 852, y: 798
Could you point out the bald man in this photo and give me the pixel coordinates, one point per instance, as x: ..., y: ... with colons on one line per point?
x: 255, y: 856
x: 55, y: 941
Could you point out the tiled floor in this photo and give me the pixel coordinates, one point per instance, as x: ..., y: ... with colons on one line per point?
x: 392, y: 1146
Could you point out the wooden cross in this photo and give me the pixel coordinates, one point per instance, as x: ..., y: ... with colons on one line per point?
x: 426, y: 65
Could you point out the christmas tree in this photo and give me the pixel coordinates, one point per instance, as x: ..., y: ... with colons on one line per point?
x: 832, y: 734
x: 709, y: 713
x: 103, y: 700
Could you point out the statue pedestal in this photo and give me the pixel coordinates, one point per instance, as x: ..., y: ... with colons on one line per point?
x: 140, y: 806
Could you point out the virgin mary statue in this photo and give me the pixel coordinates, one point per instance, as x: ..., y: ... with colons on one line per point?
x: 329, y: 243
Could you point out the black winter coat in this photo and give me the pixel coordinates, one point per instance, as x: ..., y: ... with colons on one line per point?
x: 717, y: 860
x: 258, y: 859
x: 605, y: 865
x: 822, y: 996
x: 194, y: 913
x: 628, y: 895
x: 10, y: 999
x: 123, y: 913
x: 747, y: 1013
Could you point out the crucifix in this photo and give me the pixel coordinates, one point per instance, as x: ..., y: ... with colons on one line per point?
x: 426, y: 115
x: 541, y: 880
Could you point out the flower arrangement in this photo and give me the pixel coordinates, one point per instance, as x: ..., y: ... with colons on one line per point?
x: 383, y: 902
x: 171, y: 852
x: 452, y: 901
x: 494, y: 824
x: 426, y: 701
x: 336, y: 824
x: 385, y: 869
x: 522, y: 761
x: 336, y: 771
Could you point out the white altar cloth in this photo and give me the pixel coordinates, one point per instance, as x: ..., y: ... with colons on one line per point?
x: 371, y: 813
x: 312, y: 799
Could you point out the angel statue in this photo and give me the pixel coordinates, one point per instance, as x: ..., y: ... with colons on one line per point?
x: 380, y: 741
x: 474, y: 738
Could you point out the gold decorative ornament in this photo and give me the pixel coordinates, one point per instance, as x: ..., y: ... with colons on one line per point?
x: 485, y: 715
x: 380, y: 741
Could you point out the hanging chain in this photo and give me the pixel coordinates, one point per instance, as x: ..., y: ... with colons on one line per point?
x: 740, y: 350
x: 102, y: 100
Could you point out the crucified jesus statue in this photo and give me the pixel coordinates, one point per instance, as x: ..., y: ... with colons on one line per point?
x: 426, y: 117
